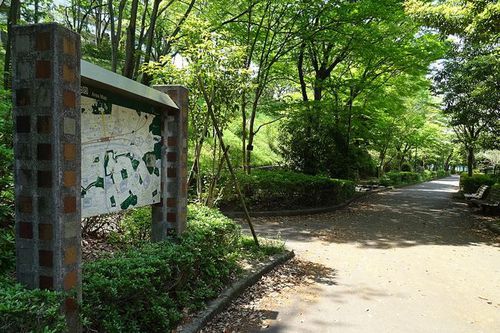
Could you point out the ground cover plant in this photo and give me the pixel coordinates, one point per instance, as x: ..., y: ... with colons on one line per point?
x: 147, y: 287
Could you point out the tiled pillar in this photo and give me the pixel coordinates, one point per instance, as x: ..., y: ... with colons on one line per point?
x: 169, y: 216
x: 46, y: 98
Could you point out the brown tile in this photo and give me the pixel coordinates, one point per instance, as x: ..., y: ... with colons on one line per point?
x: 45, y: 179
x: 25, y: 204
x: 70, y: 305
x: 171, y: 172
x: 171, y: 217
x: 171, y: 156
x: 171, y: 202
x: 44, y: 124
x: 69, y: 46
x: 23, y: 124
x: 42, y: 42
x: 70, y: 255
x: 45, y: 231
x: 46, y: 282
x: 68, y: 74
x: 70, y: 280
x: 69, y: 178
x: 42, y: 69
x: 69, y: 151
x: 171, y: 141
x: 44, y: 152
x: 45, y: 258
x: 26, y: 230
x: 69, y: 205
x: 23, y: 97
x: 69, y: 99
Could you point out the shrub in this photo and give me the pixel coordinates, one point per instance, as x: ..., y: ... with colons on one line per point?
x: 400, y: 178
x: 23, y: 310
x: 472, y: 183
x: 144, y: 289
x: 272, y: 190
x: 7, y: 250
x: 6, y: 161
x: 442, y: 173
x: 429, y: 175
x: 134, y: 228
x: 406, y: 167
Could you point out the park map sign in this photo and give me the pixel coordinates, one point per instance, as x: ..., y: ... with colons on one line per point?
x: 121, y: 153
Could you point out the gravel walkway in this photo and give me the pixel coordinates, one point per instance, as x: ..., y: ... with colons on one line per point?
x: 408, y: 260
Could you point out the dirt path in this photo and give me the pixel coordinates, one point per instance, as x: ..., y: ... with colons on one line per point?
x: 407, y: 260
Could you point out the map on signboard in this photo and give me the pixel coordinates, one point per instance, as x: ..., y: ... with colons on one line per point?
x: 121, y: 157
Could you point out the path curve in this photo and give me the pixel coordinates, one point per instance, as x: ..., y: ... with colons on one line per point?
x: 400, y: 261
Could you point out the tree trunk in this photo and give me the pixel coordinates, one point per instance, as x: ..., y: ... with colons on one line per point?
x: 112, y: 33
x: 446, y: 166
x: 115, y: 45
x: 251, y: 134
x: 128, y: 68
x: 470, y: 160
x: 11, y: 21
x: 146, y: 79
x: 300, y: 68
x: 243, y: 131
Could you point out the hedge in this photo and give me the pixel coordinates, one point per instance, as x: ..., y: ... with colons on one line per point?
x: 406, y: 177
x: 142, y: 289
x: 470, y: 184
x: 273, y: 190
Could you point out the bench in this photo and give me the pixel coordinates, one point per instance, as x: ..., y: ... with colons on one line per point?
x: 491, y: 202
x: 481, y: 191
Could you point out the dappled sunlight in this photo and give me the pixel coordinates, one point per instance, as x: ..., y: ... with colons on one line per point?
x: 423, y: 214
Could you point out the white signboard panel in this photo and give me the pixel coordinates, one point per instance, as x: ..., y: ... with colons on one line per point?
x: 121, y: 155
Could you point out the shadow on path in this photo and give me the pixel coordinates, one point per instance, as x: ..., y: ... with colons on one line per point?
x: 423, y: 214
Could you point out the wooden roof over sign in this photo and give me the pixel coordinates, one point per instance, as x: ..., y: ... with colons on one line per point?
x: 98, y: 77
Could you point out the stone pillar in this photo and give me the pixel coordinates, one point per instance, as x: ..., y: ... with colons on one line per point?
x: 46, y: 99
x: 169, y: 216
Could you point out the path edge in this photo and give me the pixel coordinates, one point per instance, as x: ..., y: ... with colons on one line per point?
x: 307, y: 211
x: 493, y: 227
x: 236, y: 289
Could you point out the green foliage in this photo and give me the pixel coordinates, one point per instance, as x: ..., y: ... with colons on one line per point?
x: 272, y: 190
x: 322, y: 148
x: 6, y: 161
x: 442, y: 173
x: 23, y: 310
x: 470, y: 184
x: 134, y: 228
x: 395, y: 178
x: 7, y: 250
x: 144, y: 289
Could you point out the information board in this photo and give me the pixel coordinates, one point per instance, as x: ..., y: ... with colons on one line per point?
x: 121, y: 153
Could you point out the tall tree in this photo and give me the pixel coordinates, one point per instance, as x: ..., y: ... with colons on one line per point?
x: 12, y: 19
x: 469, y: 78
x: 128, y: 67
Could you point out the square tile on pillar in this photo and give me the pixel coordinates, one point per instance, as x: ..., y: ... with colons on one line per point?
x: 23, y: 124
x: 42, y: 41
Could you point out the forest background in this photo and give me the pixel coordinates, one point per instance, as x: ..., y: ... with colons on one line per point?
x: 344, y: 89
